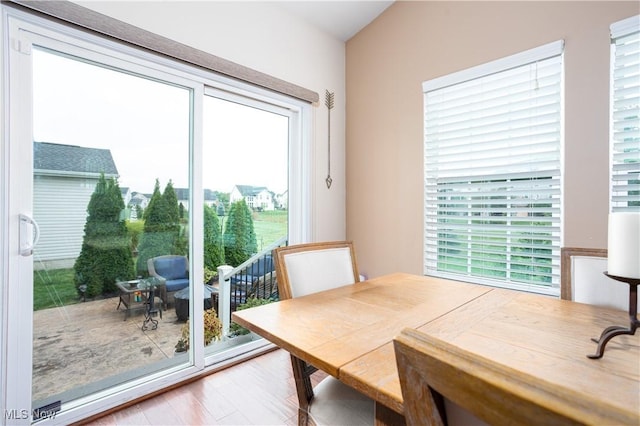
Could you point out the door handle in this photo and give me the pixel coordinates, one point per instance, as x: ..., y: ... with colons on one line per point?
x: 29, y: 234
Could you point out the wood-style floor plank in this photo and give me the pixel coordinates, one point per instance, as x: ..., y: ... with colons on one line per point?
x: 260, y: 391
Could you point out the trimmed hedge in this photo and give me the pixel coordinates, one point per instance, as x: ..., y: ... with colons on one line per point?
x: 105, y: 255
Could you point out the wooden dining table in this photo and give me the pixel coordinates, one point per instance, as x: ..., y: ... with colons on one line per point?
x: 348, y: 332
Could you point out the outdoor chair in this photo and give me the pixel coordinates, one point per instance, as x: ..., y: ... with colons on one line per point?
x: 256, y: 280
x: 305, y: 269
x: 172, y: 272
x: 265, y: 287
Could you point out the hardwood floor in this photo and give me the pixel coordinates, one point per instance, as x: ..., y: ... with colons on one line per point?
x: 260, y: 391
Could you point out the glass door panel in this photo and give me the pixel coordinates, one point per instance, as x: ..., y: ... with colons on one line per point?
x: 245, y: 180
x: 111, y: 196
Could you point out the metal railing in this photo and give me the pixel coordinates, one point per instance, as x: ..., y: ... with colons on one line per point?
x: 256, y: 277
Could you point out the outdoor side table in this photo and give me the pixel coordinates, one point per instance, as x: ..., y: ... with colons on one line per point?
x: 133, y: 295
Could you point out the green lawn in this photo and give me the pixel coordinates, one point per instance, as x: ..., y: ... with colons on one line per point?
x: 489, y: 258
x: 53, y: 288
x: 270, y: 226
x: 56, y: 288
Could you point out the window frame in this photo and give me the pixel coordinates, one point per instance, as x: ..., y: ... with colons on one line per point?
x: 431, y: 255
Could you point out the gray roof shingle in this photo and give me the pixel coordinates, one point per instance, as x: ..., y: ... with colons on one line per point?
x: 249, y: 191
x: 72, y: 158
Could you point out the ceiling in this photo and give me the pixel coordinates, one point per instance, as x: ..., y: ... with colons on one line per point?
x: 341, y: 19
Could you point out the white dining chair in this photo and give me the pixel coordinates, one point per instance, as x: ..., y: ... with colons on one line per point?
x: 583, y: 279
x: 306, y: 269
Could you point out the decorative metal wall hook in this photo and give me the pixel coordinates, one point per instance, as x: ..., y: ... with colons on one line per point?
x: 328, y: 101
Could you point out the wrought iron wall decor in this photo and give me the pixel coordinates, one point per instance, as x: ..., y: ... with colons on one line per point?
x: 328, y: 101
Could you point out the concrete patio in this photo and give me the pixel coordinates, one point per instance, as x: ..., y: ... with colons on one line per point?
x: 81, y: 344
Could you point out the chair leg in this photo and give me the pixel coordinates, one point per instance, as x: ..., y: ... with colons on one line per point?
x: 304, y: 389
x: 303, y: 417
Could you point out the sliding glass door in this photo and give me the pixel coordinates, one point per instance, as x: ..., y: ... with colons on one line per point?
x: 127, y: 180
x: 110, y: 153
x: 245, y: 176
x: 101, y: 161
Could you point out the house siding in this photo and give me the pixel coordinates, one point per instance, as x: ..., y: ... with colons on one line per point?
x: 61, y: 218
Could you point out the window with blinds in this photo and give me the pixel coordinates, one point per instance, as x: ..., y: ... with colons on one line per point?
x: 625, y: 115
x: 492, y: 147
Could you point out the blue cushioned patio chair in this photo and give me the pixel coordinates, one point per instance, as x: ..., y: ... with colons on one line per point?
x: 172, y: 271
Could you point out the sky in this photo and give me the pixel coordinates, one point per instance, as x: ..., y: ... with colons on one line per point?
x: 145, y: 125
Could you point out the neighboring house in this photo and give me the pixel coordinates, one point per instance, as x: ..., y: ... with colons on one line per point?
x: 64, y: 178
x: 126, y: 195
x: 210, y: 197
x: 137, y: 199
x: 182, y: 194
x: 282, y: 200
x: 256, y: 197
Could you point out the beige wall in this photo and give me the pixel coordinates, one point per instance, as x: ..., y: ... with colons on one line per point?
x: 264, y: 37
x: 415, y: 41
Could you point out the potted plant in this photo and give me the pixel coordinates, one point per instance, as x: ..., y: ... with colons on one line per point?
x: 212, y: 331
x: 210, y: 276
x: 236, y: 329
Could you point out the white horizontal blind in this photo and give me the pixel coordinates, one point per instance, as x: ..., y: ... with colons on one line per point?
x: 492, y: 173
x: 625, y: 116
